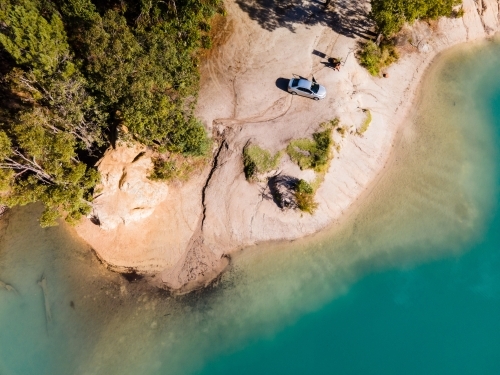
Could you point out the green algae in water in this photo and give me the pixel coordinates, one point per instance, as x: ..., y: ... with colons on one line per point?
x: 299, y: 307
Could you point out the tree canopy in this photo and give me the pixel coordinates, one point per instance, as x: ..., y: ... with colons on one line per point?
x: 391, y: 15
x: 75, y: 71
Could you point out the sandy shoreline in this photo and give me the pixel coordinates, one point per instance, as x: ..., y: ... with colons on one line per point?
x: 186, y: 239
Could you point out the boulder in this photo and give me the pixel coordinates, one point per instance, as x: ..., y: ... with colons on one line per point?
x: 125, y: 194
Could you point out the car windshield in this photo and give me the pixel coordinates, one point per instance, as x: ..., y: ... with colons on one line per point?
x: 315, y: 88
x: 295, y: 82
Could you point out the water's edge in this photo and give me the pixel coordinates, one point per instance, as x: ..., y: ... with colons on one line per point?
x: 437, y: 201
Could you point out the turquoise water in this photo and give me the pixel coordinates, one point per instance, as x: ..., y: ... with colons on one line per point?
x: 441, y: 317
x: 438, y: 318
x: 409, y: 283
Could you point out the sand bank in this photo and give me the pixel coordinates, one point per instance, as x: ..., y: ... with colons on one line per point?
x: 242, y: 98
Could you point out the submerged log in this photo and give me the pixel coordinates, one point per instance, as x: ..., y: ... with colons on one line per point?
x: 43, y: 284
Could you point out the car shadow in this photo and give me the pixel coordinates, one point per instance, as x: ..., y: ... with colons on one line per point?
x: 282, y: 83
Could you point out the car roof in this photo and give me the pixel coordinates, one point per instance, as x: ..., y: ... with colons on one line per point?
x: 304, y: 83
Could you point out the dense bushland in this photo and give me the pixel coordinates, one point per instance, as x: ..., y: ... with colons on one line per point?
x: 77, y: 75
x: 391, y: 15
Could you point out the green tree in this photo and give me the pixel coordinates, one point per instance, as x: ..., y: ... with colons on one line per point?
x: 147, y: 79
x: 40, y: 141
x: 39, y: 164
x: 76, y: 70
x: 33, y: 41
x: 374, y: 57
x: 390, y: 15
x: 82, y: 9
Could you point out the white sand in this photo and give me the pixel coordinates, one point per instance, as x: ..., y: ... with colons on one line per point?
x: 239, y: 101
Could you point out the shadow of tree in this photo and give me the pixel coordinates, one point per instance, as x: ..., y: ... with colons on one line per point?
x: 346, y: 17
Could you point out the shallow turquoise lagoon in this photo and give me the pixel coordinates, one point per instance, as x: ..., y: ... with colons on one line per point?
x: 437, y: 318
x: 409, y: 283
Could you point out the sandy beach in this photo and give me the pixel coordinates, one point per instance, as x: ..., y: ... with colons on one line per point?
x: 186, y: 237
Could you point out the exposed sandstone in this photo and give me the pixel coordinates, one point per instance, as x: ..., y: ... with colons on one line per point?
x: 125, y: 195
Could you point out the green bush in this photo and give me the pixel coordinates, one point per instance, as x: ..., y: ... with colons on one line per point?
x: 304, y: 195
x: 168, y: 167
x: 257, y: 160
x: 459, y: 13
x: 391, y: 15
x: 375, y: 58
x: 312, y: 153
x: 73, y: 71
x: 163, y: 170
x: 366, y: 122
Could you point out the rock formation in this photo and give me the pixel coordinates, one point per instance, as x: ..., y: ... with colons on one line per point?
x: 125, y: 194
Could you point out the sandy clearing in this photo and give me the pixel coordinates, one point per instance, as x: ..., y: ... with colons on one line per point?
x: 242, y: 99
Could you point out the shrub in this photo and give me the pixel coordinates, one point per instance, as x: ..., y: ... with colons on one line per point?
x: 175, y: 167
x: 312, y: 153
x: 341, y: 130
x: 163, y: 170
x: 391, y: 15
x: 366, y: 122
x: 257, y: 160
x: 374, y: 58
x: 304, y: 195
x: 459, y: 13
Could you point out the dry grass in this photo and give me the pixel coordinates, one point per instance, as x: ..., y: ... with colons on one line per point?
x: 176, y: 167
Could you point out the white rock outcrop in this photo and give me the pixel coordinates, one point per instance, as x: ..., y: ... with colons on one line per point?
x: 125, y: 194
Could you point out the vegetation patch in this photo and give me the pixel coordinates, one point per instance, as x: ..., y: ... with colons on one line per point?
x: 175, y: 167
x: 312, y: 153
x: 391, y: 15
x: 257, y: 160
x: 75, y: 71
x: 304, y: 196
x: 316, y: 154
x: 374, y: 58
x: 342, y: 130
x: 366, y: 122
x: 459, y: 13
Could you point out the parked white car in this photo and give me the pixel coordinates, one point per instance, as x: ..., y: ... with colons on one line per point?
x: 304, y: 87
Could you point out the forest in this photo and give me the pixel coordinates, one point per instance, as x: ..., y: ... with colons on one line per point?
x: 78, y: 75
